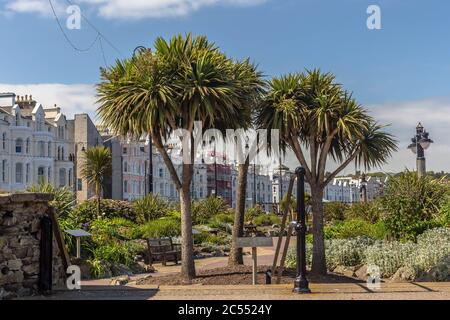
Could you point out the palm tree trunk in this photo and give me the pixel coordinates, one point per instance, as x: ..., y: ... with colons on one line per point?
x: 187, y: 241
x: 319, y: 266
x: 235, y: 257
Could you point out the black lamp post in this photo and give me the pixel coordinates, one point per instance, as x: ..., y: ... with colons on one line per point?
x: 150, y: 142
x: 301, y: 284
x: 420, y: 143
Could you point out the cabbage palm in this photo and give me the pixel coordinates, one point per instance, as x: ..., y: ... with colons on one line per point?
x: 185, y: 79
x: 96, y: 165
x: 315, y: 114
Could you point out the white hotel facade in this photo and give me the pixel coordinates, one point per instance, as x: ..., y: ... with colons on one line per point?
x: 34, y: 145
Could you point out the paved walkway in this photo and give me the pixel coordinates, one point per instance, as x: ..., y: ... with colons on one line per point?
x: 100, y: 289
x: 341, y: 291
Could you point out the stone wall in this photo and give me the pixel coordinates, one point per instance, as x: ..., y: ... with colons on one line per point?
x: 20, y: 233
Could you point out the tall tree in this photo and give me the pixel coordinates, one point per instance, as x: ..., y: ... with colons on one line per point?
x: 315, y: 114
x: 183, y: 80
x: 96, y: 165
x: 250, y: 95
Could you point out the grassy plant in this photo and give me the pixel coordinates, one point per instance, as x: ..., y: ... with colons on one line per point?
x: 150, y: 207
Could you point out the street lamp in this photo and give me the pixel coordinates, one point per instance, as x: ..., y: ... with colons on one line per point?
x: 301, y: 284
x: 420, y: 143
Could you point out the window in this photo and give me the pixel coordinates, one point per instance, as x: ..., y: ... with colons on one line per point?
x: 49, y: 149
x: 62, y: 177
x: 19, y: 145
x: 125, y: 186
x: 62, y: 153
x: 19, y: 173
x: 27, y: 173
x: 79, y: 184
x: 125, y: 166
x: 4, y: 164
x: 125, y: 150
x: 4, y: 140
x: 161, y: 172
x: 70, y: 177
x: 17, y: 119
x: 60, y: 132
x: 41, y: 149
x: 27, y: 146
x: 40, y: 175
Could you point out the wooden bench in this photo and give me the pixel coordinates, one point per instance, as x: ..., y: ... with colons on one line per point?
x: 163, y: 249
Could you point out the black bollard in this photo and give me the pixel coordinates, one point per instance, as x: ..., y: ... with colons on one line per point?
x: 301, y: 284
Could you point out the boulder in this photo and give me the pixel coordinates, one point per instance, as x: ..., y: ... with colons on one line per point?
x: 120, y: 269
x: 403, y: 274
x: 141, y: 267
x: 439, y: 272
x: 120, y: 281
x: 346, y: 271
x: 361, y: 273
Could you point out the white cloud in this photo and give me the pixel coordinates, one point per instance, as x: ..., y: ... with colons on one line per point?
x: 71, y: 98
x: 433, y: 113
x: 127, y: 9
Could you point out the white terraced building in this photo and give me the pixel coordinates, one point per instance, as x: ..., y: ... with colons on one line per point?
x: 34, y: 144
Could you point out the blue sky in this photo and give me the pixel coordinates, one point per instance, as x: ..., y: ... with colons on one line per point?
x: 401, y: 72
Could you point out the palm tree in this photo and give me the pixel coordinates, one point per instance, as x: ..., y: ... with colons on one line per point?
x: 184, y: 80
x: 315, y: 114
x: 252, y: 89
x: 96, y: 165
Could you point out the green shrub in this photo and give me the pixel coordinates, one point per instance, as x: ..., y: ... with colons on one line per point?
x: 217, y: 239
x: 70, y: 241
x: 63, y: 199
x: 266, y: 220
x: 369, y: 211
x: 251, y: 213
x: 444, y: 213
x: 224, y: 218
x: 205, y: 209
x: 411, y: 204
x: 105, y: 230
x: 333, y: 211
x: 98, y: 269
x: 86, y: 211
x: 346, y: 252
x: 388, y: 256
x: 158, y: 229
x: 150, y: 207
x: 200, y: 237
x: 355, y: 228
x: 115, y: 253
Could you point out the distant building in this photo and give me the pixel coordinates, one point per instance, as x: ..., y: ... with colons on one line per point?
x: 84, y: 136
x: 259, y: 188
x: 35, y: 145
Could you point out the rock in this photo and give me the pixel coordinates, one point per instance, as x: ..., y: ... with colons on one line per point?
x: 361, y: 273
x: 120, y: 269
x: 346, y: 271
x: 11, y: 277
x: 142, y: 267
x: 14, y: 265
x: 403, y: 274
x: 31, y: 269
x: 120, y: 281
x: 439, y: 272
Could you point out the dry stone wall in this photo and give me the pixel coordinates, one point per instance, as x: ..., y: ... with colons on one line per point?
x: 20, y: 234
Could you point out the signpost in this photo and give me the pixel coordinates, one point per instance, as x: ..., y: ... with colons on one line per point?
x: 254, y: 243
x: 78, y: 233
